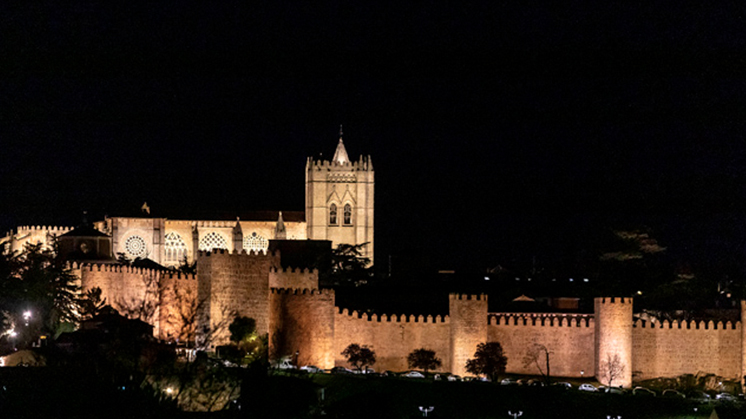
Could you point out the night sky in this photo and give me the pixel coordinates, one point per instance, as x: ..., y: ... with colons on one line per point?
x: 499, y: 133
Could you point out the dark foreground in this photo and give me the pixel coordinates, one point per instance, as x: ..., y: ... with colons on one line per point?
x: 63, y: 393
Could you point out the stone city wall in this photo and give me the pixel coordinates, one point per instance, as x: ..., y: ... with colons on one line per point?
x: 134, y: 292
x: 179, y: 308
x: 672, y: 349
x: 392, y: 337
x: 293, y: 278
x: 233, y: 284
x: 568, y: 337
x: 302, y: 326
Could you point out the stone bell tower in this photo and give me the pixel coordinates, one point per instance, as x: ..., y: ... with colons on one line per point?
x: 339, y: 199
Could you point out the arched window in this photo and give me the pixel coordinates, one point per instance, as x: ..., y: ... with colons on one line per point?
x: 212, y: 241
x: 348, y: 214
x: 333, y: 214
x: 174, y: 248
x: 256, y: 243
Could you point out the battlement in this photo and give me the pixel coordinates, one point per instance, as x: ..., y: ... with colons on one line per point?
x: 301, y: 291
x: 214, y: 223
x: 613, y: 300
x: 467, y: 297
x: 117, y: 268
x: 291, y: 270
x: 181, y: 275
x: 393, y: 318
x: 686, y: 325
x: 56, y: 230
x: 238, y: 253
x: 540, y: 319
x: 363, y: 164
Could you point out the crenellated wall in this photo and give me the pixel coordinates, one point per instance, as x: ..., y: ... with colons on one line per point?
x: 293, y: 278
x: 569, y: 338
x: 468, y: 329
x: 179, y: 308
x: 33, y: 235
x: 672, y: 349
x: 233, y: 284
x: 302, y: 322
x: 134, y: 292
x: 287, y: 304
x: 392, y: 337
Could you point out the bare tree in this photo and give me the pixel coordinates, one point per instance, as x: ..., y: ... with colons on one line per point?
x: 144, y: 306
x: 537, y: 355
x: 610, y: 369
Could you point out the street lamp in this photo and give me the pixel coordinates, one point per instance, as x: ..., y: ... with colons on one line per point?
x: 426, y: 410
x: 515, y: 415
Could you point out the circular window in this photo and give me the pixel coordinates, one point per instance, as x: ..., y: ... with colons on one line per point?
x: 135, y: 246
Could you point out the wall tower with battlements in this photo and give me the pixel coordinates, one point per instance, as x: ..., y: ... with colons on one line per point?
x: 468, y: 317
x: 613, y: 340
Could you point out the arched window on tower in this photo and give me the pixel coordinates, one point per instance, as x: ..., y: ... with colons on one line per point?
x: 348, y: 214
x: 174, y: 249
x: 333, y: 214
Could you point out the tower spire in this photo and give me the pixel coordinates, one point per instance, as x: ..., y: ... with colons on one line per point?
x: 340, y: 155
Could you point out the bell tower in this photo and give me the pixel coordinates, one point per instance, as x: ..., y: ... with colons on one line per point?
x: 339, y: 199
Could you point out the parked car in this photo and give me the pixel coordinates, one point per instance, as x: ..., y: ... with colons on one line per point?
x: 642, y: 391
x: 341, y: 370
x: 536, y: 383
x: 614, y: 390
x: 563, y: 385
x: 388, y: 373
x: 508, y: 382
x: 454, y: 378
x: 726, y: 397
x: 699, y: 396
x: 311, y: 369
x: 587, y: 387
x: 414, y: 374
x: 673, y: 393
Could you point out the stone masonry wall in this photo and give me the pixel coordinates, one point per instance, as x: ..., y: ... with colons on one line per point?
x: 569, y: 339
x: 392, y: 337
x: 134, y: 292
x: 613, y: 338
x: 293, y: 278
x: 233, y: 284
x: 468, y: 314
x: 302, y: 322
x: 179, y: 308
x: 672, y: 349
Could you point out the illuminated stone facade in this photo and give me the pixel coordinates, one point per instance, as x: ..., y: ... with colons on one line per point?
x: 339, y: 208
x: 237, y: 275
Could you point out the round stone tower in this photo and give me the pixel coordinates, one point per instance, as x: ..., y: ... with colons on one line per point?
x: 468, y: 319
x: 613, y: 338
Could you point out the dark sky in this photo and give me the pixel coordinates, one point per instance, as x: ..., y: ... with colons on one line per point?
x: 498, y: 132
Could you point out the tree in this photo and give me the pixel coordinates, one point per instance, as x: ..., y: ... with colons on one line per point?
x: 91, y: 303
x: 610, y: 369
x: 39, y: 294
x: 488, y: 360
x: 358, y: 356
x: 349, y: 266
x: 538, y: 354
x: 242, y: 328
x: 424, y: 359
